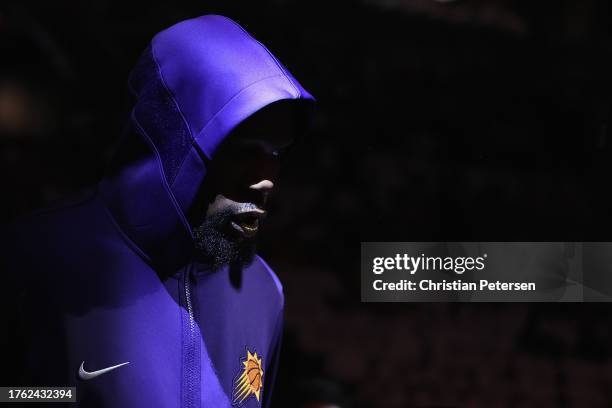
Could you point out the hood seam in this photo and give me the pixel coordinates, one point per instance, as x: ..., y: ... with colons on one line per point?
x: 164, y: 180
x: 129, y: 241
x: 230, y: 101
x: 276, y: 61
x: 178, y: 107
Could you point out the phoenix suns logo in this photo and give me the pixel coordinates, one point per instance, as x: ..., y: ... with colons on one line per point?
x: 249, y: 381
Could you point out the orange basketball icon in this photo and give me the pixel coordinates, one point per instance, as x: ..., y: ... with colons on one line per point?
x: 249, y: 382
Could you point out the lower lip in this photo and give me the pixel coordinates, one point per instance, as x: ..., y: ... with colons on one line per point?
x: 247, y: 232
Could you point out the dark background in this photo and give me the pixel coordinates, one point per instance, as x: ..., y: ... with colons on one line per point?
x: 462, y: 120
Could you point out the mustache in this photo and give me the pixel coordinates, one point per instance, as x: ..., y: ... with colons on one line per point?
x: 244, y: 207
x: 225, y: 216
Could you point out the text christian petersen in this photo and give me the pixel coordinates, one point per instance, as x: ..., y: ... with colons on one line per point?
x: 447, y: 266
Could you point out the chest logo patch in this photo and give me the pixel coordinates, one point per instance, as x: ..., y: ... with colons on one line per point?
x: 249, y: 381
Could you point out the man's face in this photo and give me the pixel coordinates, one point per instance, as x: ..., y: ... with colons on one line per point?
x: 229, y: 211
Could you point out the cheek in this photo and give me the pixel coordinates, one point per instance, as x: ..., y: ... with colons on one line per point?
x: 231, y: 175
x: 236, y: 182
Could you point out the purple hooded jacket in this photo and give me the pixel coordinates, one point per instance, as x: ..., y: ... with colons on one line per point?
x: 110, y: 278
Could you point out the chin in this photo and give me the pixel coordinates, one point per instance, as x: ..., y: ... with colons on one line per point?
x: 218, y: 250
x: 217, y: 244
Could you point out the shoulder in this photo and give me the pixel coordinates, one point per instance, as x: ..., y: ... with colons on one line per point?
x: 271, y: 273
x: 59, y: 216
x: 270, y: 277
x: 65, y: 233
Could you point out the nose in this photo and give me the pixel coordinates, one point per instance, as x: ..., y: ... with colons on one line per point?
x: 263, y: 189
x: 263, y: 186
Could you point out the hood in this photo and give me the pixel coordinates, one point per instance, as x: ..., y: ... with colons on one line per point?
x: 195, y: 82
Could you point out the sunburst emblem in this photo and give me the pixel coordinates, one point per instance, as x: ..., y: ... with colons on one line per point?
x: 250, y: 381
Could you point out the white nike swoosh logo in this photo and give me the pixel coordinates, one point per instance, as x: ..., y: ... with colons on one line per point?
x: 88, y: 375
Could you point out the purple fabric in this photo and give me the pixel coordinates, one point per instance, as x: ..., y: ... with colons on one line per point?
x: 115, y: 280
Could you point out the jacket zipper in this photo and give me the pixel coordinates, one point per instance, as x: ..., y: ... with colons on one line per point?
x: 190, y: 392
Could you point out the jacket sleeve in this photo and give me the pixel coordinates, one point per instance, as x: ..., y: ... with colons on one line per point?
x: 273, y: 359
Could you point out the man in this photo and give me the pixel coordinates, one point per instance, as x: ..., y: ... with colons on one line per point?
x: 147, y: 292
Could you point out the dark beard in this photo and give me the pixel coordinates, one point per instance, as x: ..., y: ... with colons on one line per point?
x: 215, y: 248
